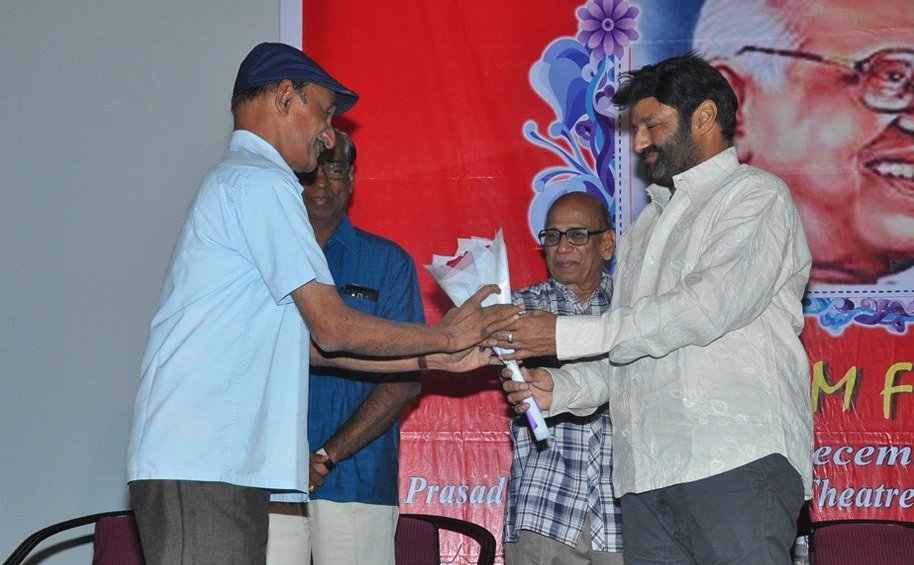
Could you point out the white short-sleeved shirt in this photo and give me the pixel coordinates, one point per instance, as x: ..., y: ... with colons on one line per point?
x: 224, y: 389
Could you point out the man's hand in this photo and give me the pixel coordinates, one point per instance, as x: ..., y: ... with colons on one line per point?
x: 539, y: 385
x: 318, y: 471
x: 471, y: 323
x: 462, y: 361
x: 532, y: 335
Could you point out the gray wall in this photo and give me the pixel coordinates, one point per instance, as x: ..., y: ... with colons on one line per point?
x: 110, y: 113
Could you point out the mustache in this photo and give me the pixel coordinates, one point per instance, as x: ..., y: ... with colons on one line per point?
x: 644, y: 153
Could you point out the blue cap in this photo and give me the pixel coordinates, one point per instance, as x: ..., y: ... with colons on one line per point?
x: 271, y: 63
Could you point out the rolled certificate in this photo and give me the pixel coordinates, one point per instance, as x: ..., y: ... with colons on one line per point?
x: 481, y: 261
x: 534, y: 414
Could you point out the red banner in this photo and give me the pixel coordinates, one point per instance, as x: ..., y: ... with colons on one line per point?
x: 444, y: 97
x: 863, y: 399
x: 474, y: 115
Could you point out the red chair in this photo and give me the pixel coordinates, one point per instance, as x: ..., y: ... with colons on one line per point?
x: 856, y: 542
x: 416, y: 541
x: 115, y: 540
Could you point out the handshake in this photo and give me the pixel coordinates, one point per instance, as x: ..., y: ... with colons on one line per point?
x: 513, y: 338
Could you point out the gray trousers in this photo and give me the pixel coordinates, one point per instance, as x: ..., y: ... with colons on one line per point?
x: 200, y: 523
x: 746, y: 515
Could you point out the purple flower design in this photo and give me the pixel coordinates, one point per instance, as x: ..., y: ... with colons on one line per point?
x: 607, y: 26
x: 581, y: 136
x: 576, y: 76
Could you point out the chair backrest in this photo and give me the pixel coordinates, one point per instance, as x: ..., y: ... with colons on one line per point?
x: 852, y: 542
x: 117, y: 542
x: 416, y: 541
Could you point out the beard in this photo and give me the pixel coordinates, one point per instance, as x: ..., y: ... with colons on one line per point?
x: 675, y: 155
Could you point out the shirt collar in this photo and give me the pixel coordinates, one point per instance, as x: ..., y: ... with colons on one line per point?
x: 605, y: 286
x: 344, y: 234
x: 253, y: 142
x: 700, y: 179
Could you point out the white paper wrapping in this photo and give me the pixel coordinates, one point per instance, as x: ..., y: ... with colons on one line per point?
x: 477, y: 262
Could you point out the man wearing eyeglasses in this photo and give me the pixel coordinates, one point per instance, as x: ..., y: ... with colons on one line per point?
x: 706, y: 378
x: 353, y: 427
x: 826, y: 93
x: 560, y: 506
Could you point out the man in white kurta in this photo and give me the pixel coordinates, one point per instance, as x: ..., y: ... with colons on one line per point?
x: 706, y: 378
x: 708, y: 371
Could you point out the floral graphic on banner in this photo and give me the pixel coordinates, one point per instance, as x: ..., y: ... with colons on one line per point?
x: 834, y: 314
x: 607, y: 27
x: 575, y: 76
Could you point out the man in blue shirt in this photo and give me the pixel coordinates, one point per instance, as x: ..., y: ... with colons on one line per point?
x: 352, y: 515
x: 221, y: 411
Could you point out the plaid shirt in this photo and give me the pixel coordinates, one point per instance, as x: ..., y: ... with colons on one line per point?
x: 550, y: 490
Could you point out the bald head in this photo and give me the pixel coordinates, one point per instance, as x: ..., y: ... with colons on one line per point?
x: 580, y: 267
x: 584, y: 203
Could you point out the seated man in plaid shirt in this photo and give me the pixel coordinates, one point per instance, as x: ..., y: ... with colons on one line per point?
x: 560, y: 506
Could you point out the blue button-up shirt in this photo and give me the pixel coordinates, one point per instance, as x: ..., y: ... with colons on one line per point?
x: 224, y: 394
x: 360, y: 260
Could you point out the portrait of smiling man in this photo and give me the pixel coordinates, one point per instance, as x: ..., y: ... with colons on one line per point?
x: 826, y: 94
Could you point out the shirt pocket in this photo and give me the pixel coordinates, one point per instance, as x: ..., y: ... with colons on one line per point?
x: 361, y: 303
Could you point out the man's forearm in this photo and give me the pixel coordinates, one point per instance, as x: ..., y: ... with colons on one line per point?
x: 374, y: 417
x: 460, y: 362
x: 582, y: 336
x: 580, y: 388
x: 358, y: 334
x: 364, y: 364
x: 336, y: 327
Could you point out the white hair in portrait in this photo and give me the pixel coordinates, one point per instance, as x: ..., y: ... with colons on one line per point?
x: 724, y: 27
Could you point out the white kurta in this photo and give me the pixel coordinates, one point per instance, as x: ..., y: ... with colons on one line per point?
x: 705, y: 370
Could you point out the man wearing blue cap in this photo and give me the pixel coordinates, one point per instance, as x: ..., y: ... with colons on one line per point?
x: 220, y: 417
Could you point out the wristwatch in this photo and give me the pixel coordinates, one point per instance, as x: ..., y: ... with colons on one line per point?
x: 329, y: 464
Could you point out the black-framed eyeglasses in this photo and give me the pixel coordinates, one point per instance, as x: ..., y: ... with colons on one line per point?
x: 885, y: 78
x: 575, y: 236
x: 332, y: 170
